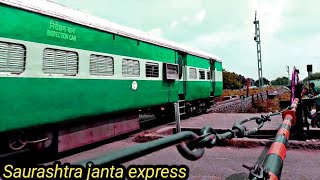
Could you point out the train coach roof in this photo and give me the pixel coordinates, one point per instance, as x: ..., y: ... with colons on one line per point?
x: 59, y: 11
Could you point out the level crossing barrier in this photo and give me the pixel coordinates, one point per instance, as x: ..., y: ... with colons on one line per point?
x: 190, y: 145
x: 273, y: 163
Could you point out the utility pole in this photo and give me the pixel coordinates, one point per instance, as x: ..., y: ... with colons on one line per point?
x: 309, y: 69
x: 258, y: 40
x: 288, y: 74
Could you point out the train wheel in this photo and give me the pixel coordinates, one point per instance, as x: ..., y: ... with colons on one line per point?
x: 199, y: 110
x: 170, y: 115
x: 317, y: 121
x: 205, y: 108
x: 158, y: 114
x: 190, y: 110
x: 204, y: 111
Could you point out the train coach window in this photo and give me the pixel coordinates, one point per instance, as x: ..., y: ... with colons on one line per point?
x: 101, y: 65
x: 130, y: 68
x: 171, y: 71
x: 192, y: 73
x: 12, y: 57
x: 208, y: 75
x: 60, y: 62
x: 152, y: 69
x: 202, y: 74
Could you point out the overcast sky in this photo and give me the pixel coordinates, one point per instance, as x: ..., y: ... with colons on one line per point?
x: 290, y: 32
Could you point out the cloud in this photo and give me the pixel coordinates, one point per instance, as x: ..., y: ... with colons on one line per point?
x: 270, y: 14
x: 156, y: 32
x: 214, y: 39
x: 184, y: 4
x: 173, y: 24
x: 201, y: 15
x: 185, y: 19
x: 289, y: 34
x: 190, y: 20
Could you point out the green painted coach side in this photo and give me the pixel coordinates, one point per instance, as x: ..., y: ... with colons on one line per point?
x: 37, y: 101
x: 198, y: 62
x: 218, y: 88
x: 24, y: 25
x: 218, y: 66
x: 198, y: 89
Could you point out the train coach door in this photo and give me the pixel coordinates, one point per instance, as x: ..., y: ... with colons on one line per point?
x: 212, y: 70
x: 182, y: 73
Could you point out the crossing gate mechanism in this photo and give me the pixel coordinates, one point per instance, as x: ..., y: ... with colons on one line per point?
x: 192, y: 146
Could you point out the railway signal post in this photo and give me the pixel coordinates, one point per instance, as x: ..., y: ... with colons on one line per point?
x: 258, y: 40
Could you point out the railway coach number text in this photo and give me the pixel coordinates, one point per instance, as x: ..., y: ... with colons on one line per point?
x: 60, y: 31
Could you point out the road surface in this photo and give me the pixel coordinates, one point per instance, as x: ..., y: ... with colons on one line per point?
x: 218, y: 162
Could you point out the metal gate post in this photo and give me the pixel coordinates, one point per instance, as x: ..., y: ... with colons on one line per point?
x: 177, y: 117
x: 241, y: 101
x: 252, y: 98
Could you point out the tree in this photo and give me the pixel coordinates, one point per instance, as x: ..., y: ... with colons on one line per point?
x: 280, y: 81
x: 232, y: 80
x: 265, y: 82
x: 242, y: 80
x: 312, y: 77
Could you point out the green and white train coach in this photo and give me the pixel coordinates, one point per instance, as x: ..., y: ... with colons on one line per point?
x: 68, y: 78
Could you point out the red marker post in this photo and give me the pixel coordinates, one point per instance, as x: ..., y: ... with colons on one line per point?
x: 248, y: 85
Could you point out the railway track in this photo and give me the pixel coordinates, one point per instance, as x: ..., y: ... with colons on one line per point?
x: 235, y: 105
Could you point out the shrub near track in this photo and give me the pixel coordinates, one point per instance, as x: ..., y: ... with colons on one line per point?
x: 269, y: 105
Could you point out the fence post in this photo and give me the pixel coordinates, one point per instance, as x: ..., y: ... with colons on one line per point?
x: 257, y: 96
x: 252, y: 98
x: 177, y: 117
x: 261, y: 94
x: 241, y: 102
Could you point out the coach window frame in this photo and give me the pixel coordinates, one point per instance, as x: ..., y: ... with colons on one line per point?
x: 152, y: 64
x: 55, y: 62
x: 130, y: 75
x: 105, y: 65
x: 7, y: 60
x: 204, y: 74
x: 209, y: 75
x: 195, y: 73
